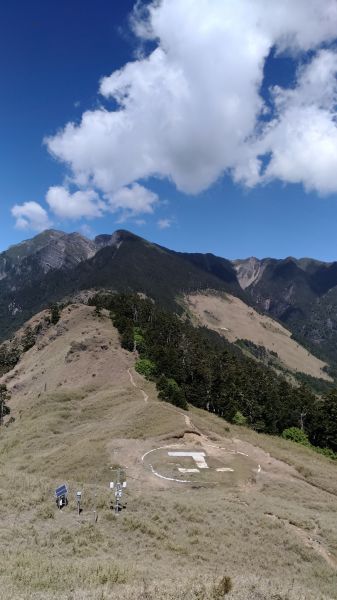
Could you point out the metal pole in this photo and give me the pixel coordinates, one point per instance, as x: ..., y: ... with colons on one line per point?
x: 95, y: 499
x: 117, y: 486
x: 117, y: 491
x: 78, y: 498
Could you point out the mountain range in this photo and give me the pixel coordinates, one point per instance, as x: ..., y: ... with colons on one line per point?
x: 300, y: 293
x: 202, y: 490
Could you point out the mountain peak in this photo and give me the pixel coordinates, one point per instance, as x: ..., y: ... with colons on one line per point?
x: 114, y: 239
x: 249, y: 271
x: 51, y: 249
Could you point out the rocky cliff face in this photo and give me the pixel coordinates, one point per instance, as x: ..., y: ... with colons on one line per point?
x: 249, y: 271
x: 47, y: 251
x: 115, y: 240
x: 66, y: 252
x: 302, y: 293
x: 29, y: 263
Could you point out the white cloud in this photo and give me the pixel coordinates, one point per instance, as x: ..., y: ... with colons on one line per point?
x: 30, y: 215
x: 132, y: 201
x: 190, y: 110
x: 83, y: 203
x: 164, y: 223
x: 301, y: 142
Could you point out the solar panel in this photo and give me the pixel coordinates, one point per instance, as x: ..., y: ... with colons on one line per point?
x: 62, y: 490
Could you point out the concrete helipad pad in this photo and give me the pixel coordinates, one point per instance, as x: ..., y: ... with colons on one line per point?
x: 204, y: 464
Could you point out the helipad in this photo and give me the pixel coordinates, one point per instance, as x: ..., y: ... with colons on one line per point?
x: 211, y: 464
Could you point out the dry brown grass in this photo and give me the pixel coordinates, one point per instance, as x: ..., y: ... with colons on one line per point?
x: 172, y: 541
x: 234, y: 319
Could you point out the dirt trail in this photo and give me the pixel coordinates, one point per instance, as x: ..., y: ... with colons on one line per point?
x: 145, y: 396
x: 187, y: 419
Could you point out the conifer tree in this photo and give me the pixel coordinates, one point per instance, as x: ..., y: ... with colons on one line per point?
x: 4, y: 398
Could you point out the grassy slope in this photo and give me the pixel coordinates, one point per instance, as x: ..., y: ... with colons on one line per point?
x: 272, y: 534
x: 234, y: 319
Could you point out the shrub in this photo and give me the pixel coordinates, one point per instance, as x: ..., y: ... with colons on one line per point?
x: 55, y: 314
x: 170, y: 391
x: 239, y: 418
x: 139, y: 339
x: 326, y: 452
x: 222, y: 588
x: 145, y: 367
x: 5, y: 395
x: 295, y: 434
x: 9, y: 357
x: 28, y: 339
x: 98, y: 311
x: 127, y: 338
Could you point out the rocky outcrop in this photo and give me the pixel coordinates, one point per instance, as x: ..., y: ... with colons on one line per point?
x: 46, y: 251
x: 249, y: 271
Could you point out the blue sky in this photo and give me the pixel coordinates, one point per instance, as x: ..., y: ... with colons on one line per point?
x: 194, y: 168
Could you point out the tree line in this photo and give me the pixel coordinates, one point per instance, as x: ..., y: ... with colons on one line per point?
x: 193, y: 365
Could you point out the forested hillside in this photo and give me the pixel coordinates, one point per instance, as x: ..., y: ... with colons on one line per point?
x: 198, y: 367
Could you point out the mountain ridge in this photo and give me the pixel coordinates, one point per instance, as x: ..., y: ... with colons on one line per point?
x: 301, y: 293
x: 122, y: 261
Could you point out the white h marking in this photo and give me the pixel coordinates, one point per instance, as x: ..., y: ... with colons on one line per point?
x: 198, y: 457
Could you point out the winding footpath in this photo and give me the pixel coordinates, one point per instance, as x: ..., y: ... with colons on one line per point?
x: 145, y: 396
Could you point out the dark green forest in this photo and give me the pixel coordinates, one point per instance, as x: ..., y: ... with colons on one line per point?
x: 195, y: 366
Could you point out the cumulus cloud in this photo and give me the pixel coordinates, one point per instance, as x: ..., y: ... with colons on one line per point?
x: 83, y: 203
x: 301, y: 142
x: 30, y: 215
x: 132, y: 201
x: 190, y: 110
